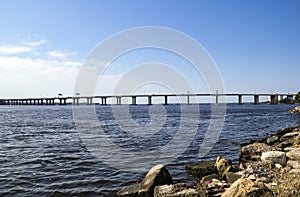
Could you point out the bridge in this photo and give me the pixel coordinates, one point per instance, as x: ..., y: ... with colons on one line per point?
x: 75, y: 100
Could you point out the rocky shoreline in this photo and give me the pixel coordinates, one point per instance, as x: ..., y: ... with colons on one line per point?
x: 267, y: 167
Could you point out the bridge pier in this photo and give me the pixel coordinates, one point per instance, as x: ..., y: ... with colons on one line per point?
x: 217, y: 98
x: 89, y: 101
x: 166, y: 100
x: 240, y: 98
x: 75, y: 101
x: 273, y: 99
x: 62, y: 101
x: 289, y: 99
x: 149, y: 100
x: 103, y: 100
x: 256, y: 99
x: 133, y: 100
x: 119, y: 100
x: 188, y: 100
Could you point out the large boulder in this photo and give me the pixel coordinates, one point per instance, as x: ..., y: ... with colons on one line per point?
x: 247, y: 188
x: 272, y: 140
x: 274, y: 156
x: 284, y: 131
x: 201, y: 169
x: 223, y: 166
x: 289, y: 136
x: 293, y: 164
x: 157, y: 175
x: 177, y: 190
x: 252, y: 152
x: 295, y: 110
x: 293, y: 154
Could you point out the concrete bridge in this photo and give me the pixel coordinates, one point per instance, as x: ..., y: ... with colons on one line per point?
x: 75, y: 100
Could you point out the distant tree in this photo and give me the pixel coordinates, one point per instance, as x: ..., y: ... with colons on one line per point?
x: 297, y: 98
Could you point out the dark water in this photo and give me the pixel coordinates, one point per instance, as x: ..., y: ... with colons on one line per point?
x: 42, y: 154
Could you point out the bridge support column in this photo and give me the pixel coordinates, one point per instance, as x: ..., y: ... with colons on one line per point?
x: 149, y: 100
x: 256, y: 99
x: 273, y: 99
x: 89, y: 101
x: 188, y: 100
x: 166, y: 100
x: 289, y: 99
x: 240, y: 99
x: 42, y: 101
x: 119, y: 100
x: 133, y: 100
x: 62, y: 101
x: 103, y: 100
x: 217, y: 97
x: 75, y: 101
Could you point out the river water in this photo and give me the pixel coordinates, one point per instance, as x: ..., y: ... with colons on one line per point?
x: 42, y: 152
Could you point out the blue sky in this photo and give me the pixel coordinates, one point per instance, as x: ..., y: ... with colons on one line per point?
x: 255, y: 44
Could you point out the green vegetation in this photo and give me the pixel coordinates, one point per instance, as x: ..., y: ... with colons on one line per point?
x: 297, y: 98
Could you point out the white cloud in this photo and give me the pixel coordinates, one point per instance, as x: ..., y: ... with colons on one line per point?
x: 9, y: 50
x: 60, y: 54
x: 35, y: 43
x: 25, y: 77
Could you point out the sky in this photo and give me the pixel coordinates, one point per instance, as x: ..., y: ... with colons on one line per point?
x: 43, y: 44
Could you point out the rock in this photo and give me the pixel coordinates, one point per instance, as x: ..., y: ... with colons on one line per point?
x: 295, y: 110
x: 287, y: 149
x: 274, y: 156
x: 283, y: 131
x: 252, y: 152
x: 284, y: 144
x: 214, y: 187
x: 177, y: 190
x: 272, y: 140
x: 293, y: 164
x: 273, y: 184
x: 277, y: 165
x: 223, y: 166
x: 288, y: 136
x: 209, y: 178
x: 252, y: 177
x: 293, y: 154
x: 247, y: 188
x: 201, y: 169
x: 265, y: 164
x: 258, y: 173
x: 157, y: 175
x: 232, y: 177
x: 295, y: 171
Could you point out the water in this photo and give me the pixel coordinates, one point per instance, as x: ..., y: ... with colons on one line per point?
x: 42, y: 154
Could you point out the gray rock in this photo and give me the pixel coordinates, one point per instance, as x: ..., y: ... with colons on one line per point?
x: 260, y: 173
x: 293, y: 164
x: 289, y: 135
x: 157, y: 175
x: 295, y: 110
x: 272, y: 140
x: 293, y: 154
x: 284, y: 131
x: 274, y: 156
x: 201, y: 169
x: 177, y: 190
x: 232, y: 177
x: 247, y: 188
x: 223, y: 166
x: 252, y: 152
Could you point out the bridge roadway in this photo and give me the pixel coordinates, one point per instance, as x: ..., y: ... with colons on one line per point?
x: 60, y: 100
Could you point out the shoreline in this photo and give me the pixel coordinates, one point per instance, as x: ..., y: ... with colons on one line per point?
x: 267, y: 167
